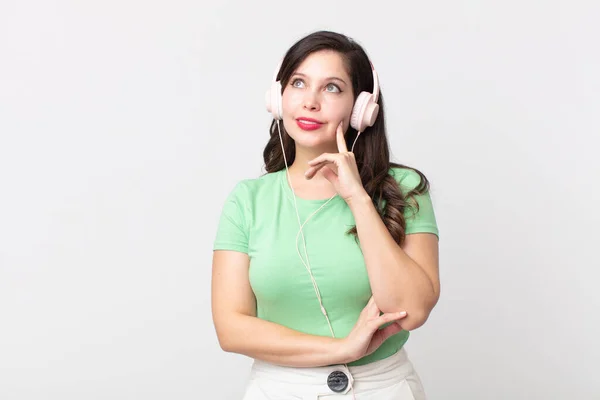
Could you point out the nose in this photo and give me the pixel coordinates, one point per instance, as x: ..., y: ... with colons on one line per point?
x: 311, y: 101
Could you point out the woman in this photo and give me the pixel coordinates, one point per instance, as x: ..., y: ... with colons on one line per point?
x: 324, y: 264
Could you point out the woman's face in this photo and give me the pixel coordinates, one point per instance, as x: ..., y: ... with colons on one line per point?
x: 317, y: 97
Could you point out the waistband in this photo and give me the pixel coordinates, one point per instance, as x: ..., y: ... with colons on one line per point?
x: 375, y: 375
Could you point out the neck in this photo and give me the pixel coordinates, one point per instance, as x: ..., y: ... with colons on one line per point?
x: 303, y: 156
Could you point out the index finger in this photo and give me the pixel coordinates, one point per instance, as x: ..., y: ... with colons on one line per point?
x: 341, y: 140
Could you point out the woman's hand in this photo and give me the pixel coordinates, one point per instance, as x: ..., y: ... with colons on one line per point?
x: 366, y: 337
x: 344, y: 175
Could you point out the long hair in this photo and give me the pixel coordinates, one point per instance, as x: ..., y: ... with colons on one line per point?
x: 371, y: 151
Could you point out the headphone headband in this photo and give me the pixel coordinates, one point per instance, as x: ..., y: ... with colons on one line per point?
x: 375, y: 83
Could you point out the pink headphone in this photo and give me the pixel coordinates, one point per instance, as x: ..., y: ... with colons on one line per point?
x: 364, y: 112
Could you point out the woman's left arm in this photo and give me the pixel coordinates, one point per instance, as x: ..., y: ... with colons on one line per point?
x: 403, y: 278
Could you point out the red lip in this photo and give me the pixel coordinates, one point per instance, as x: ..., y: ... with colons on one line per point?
x: 308, y: 124
x: 309, y: 119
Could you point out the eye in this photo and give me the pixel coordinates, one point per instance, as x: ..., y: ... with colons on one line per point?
x: 333, y: 88
x: 297, y: 83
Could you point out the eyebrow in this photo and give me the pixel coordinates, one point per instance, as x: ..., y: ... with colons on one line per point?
x: 334, y: 78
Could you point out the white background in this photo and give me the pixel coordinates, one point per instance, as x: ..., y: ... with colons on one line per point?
x: 124, y: 124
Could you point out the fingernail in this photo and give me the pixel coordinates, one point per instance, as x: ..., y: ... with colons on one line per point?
x: 402, y: 313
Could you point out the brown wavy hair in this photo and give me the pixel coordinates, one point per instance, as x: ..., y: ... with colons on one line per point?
x: 371, y: 152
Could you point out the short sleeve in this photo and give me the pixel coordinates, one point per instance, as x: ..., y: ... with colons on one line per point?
x: 232, y: 229
x: 423, y: 219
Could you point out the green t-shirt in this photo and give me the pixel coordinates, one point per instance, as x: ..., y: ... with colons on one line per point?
x: 259, y: 219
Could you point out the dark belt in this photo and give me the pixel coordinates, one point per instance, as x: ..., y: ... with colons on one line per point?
x: 337, y: 381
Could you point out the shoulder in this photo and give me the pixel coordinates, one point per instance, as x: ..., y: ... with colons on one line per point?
x: 409, y: 179
x: 243, y: 200
x: 249, y: 188
x: 418, y: 210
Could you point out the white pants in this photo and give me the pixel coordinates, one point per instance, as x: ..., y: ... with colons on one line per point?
x: 393, y: 378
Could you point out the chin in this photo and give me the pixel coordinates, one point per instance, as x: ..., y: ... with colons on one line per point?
x: 310, y: 139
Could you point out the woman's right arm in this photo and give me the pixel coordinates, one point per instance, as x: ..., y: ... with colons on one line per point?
x: 240, y: 331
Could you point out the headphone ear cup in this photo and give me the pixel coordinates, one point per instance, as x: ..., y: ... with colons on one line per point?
x: 273, y: 100
x: 364, y: 112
